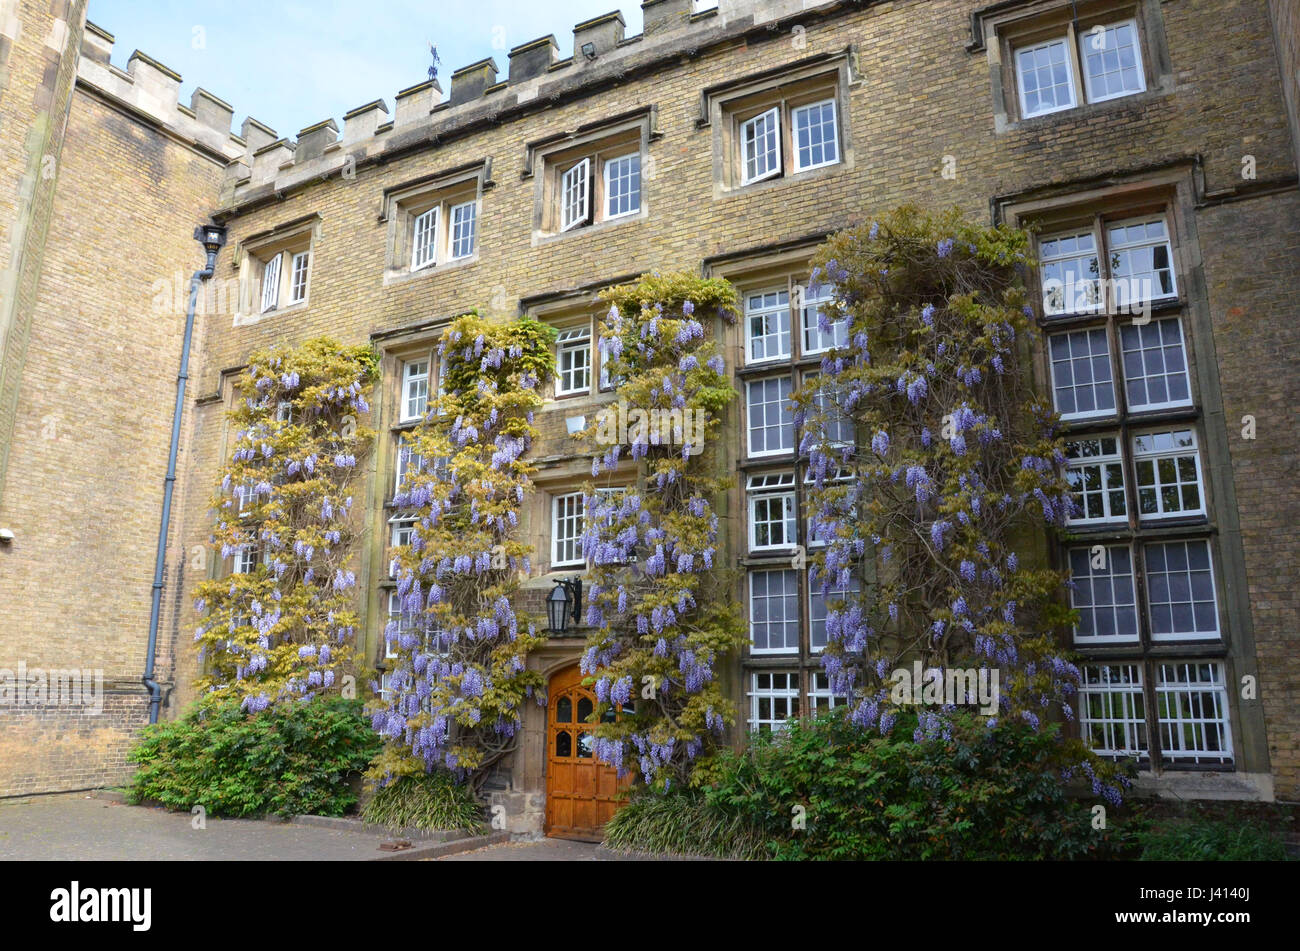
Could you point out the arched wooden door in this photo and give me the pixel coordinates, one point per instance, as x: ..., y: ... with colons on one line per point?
x: 581, y: 792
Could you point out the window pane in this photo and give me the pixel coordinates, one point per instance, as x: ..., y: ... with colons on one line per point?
x: 767, y: 321
x: 774, y: 611
x: 1168, y: 474
x: 1070, y: 273
x: 1192, y: 704
x: 464, y: 222
x: 1141, y: 261
x: 1045, y: 81
x: 1081, y: 378
x: 1103, y: 593
x: 761, y: 138
x: 566, y: 529
x: 1112, y: 709
x: 815, y: 141
x: 1180, y: 591
x: 1155, y: 365
x: 771, y: 421
x: 623, y: 185
x: 1112, y: 61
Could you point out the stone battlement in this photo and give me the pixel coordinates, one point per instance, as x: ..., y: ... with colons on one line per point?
x: 262, y: 162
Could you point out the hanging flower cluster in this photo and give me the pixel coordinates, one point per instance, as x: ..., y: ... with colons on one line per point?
x: 459, y: 680
x: 284, y: 624
x: 660, y: 609
x: 957, y: 466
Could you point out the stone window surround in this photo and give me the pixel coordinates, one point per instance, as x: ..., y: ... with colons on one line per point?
x: 402, y: 203
x: 251, y: 256
x: 569, y: 312
x: 1176, y: 189
x: 999, y: 31
x: 726, y: 106
x: 602, y: 140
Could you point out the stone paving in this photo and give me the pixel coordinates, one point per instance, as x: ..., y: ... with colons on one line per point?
x: 77, y: 827
x: 80, y: 827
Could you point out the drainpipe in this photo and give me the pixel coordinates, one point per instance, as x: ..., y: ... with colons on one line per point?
x: 212, y: 238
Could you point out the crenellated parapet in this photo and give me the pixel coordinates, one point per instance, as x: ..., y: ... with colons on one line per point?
x: 149, y: 89
x: 535, y: 76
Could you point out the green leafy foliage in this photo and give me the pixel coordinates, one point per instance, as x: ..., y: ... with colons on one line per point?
x: 299, y: 758
x: 431, y: 801
x: 1212, y: 840
x: 826, y: 790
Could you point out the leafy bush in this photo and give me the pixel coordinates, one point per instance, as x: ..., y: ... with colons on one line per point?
x: 978, y: 794
x: 1182, y: 840
x: 293, y: 758
x: 430, y: 801
x: 683, y: 822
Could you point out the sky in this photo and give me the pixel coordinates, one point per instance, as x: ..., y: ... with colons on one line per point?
x: 293, y: 64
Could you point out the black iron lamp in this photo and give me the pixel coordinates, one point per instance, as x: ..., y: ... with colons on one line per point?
x: 564, y: 603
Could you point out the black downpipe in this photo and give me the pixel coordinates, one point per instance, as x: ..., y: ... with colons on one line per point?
x: 155, y: 689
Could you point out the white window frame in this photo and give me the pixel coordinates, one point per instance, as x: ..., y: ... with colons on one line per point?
x: 1156, y: 326
x: 834, y: 142
x: 811, y: 299
x: 778, y: 487
x: 1177, y: 683
x: 575, y: 196
x: 415, y: 387
x: 1063, y: 42
x: 820, y: 696
x: 1086, y: 49
x: 570, y: 342
x: 247, y: 558
x: 1115, y: 249
x: 749, y: 138
x: 786, y: 620
x: 1107, y: 463
x: 1052, y: 263
x: 406, y: 457
x: 1148, y: 574
x: 812, y: 539
x: 634, y: 175
x: 424, y: 238
x: 779, y: 334
x: 574, y: 518
x: 271, y: 282
x: 749, y: 418
x: 399, y: 526
x: 464, y: 230
x: 1115, y: 606
x: 1120, y: 691
x: 1154, y: 457
x: 835, y: 594
x: 787, y: 693
x: 300, y: 271
x: 1090, y: 333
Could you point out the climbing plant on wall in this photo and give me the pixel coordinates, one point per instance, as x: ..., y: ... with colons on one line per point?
x: 661, y: 614
x: 956, y: 471
x: 283, y: 625
x: 459, y: 681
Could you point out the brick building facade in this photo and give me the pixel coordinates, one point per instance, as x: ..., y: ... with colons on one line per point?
x: 1154, y: 142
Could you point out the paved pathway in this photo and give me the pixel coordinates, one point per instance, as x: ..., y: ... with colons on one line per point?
x: 543, y: 850
x: 76, y: 827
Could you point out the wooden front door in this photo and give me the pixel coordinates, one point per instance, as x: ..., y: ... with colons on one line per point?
x: 581, y: 792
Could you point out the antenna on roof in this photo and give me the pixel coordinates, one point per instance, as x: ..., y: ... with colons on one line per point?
x: 433, y: 68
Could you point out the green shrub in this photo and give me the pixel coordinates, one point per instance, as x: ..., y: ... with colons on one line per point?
x: 431, y: 801
x: 827, y: 790
x: 1212, y: 840
x: 683, y: 822
x: 293, y: 758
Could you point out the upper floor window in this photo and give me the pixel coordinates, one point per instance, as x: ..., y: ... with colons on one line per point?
x: 278, y: 269
x: 573, y: 361
x: 1108, y: 58
x: 567, y: 524
x: 818, y: 312
x: 599, y: 187
x: 1114, y: 265
x: 415, y: 389
x: 771, y: 511
x: 767, y: 325
x: 786, y: 138
x: 433, y: 222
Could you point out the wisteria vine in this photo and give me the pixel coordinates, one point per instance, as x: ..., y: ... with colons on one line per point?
x: 460, y: 677
x: 660, y: 611
x: 286, y: 628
